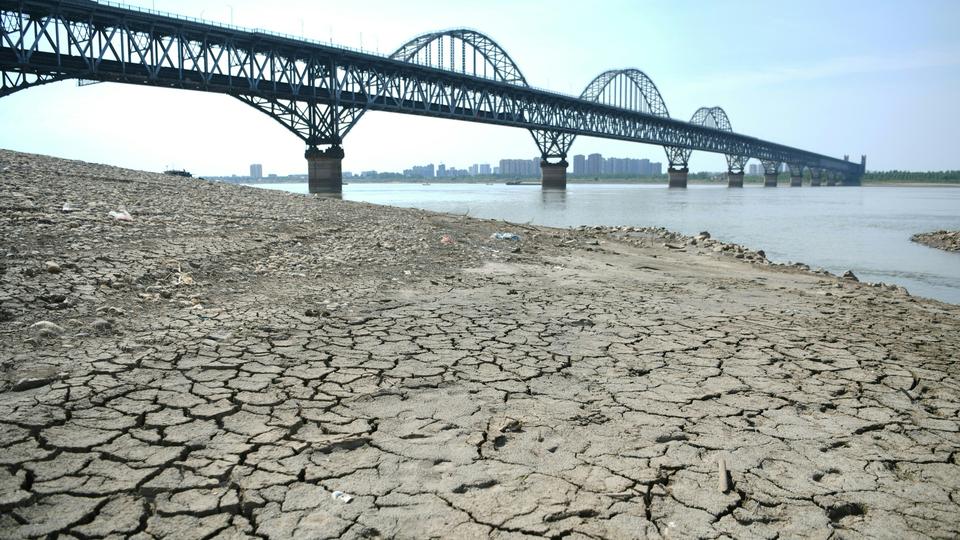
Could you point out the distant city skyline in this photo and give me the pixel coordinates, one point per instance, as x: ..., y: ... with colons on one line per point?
x: 855, y: 91
x: 583, y: 166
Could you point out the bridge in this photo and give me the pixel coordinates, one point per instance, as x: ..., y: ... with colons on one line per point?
x: 319, y: 91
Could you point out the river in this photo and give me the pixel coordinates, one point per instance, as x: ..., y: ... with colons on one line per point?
x: 866, y: 229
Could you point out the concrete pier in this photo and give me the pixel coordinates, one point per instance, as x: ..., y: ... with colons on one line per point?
x: 324, y: 173
x: 734, y: 179
x: 678, y: 177
x: 553, y: 175
x: 815, y: 180
x: 832, y: 180
x: 796, y: 181
x: 770, y: 179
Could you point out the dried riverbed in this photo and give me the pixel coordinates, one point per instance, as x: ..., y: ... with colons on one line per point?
x: 235, y: 362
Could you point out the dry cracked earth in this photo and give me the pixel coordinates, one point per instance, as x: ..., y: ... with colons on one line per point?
x: 239, y: 363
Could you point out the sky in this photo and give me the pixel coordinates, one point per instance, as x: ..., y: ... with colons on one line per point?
x: 880, y: 78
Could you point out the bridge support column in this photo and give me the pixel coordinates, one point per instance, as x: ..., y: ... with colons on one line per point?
x: 324, y: 173
x: 815, y: 178
x: 770, y: 179
x: 735, y: 179
x: 832, y: 179
x: 796, y: 181
x: 678, y: 177
x: 553, y: 175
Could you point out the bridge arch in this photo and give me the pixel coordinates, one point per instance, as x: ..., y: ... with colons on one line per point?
x: 632, y: 89
x: 628, y: 89
x: 462, y: 50
x: 716, y: 117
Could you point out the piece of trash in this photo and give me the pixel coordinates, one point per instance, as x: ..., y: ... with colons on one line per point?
x: 122, y: 215
x: 447, y: 240
x: 505, y: 236
x: 67, y: 208
x: 341, y: 496
x: 724, y: 483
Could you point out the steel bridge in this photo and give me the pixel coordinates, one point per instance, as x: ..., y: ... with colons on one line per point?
x: 319, y: 91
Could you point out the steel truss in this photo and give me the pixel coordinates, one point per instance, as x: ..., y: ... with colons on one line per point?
x: 318, y: 91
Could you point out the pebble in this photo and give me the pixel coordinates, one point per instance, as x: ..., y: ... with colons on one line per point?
x: 52, y: 267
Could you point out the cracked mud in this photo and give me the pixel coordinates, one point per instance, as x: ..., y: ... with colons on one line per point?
x: 223, y: 363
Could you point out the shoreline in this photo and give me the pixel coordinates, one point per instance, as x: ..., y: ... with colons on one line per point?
x: 230, y: 359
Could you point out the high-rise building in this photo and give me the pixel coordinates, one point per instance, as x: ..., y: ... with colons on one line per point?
x: 594, y: 165
x: 441, y: 170
x: 644, y: 169
x: 256, y: 171
x: 484, y: 169
x: 520, y: 167
x: 579, y: 165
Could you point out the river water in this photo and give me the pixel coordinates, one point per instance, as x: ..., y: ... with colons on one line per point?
x: 866, y: 229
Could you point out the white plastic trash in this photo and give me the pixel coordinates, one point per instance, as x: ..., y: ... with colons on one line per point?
x: 341, y: 496
x: 122, y: 215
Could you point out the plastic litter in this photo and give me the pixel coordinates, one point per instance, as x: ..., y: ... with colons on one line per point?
x: 505, y: 236
x: 447, y: 240
x: 341, y: 496
x: 67, y: 208
x: 122, y: 215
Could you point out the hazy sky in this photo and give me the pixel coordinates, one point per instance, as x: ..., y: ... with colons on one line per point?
x: 851, y: 77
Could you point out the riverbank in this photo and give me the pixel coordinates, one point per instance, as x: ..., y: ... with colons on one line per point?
x: 231, y: 358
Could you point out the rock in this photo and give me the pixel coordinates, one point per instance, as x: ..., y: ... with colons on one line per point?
x: 850, y: 275
x: 29, y: 383
x: 945, y: 240
x: 47, y: 329
x: 52, y: 267
x: 102, y: 325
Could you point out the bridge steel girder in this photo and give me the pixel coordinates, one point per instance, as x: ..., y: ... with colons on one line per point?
x: 46, y: 40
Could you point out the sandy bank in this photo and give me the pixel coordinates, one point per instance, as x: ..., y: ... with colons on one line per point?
x: 229, y: 359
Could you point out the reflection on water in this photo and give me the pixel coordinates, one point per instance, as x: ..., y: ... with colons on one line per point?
x: 555, y: 199
x: 866, y: 230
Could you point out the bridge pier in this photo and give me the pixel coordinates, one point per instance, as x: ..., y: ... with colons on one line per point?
x: 678, y: 177
x: 796, y: 181
x: 553, y: 175
x: 735, y: 179
x: 815, y: 177
x: 324, y: 173
x: 832, y: 179
x: 770, y: 179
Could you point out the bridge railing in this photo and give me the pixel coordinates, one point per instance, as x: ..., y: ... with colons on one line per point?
x: 235, y: 28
